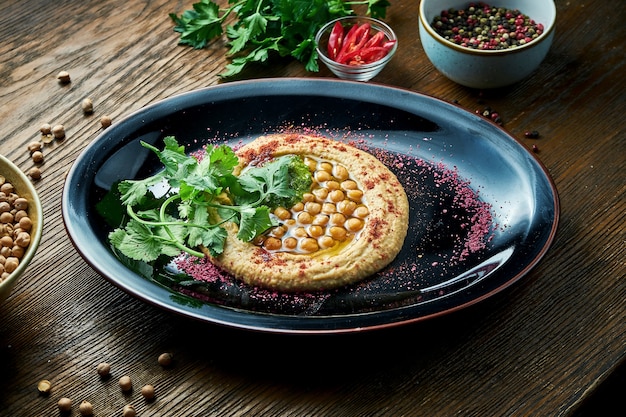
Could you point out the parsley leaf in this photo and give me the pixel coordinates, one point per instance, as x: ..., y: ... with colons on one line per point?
x: 266, y: 27
x: 201, y: 194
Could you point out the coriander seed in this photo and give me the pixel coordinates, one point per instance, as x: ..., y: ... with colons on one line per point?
x: 65, y: 404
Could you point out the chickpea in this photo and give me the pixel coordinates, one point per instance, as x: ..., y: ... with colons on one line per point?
x: 85, y: 408
x: 346, y: 207
x: 300, y: 232
x: 6, y: 241
x: 64, y: 77
x: 7, y: 188
x: 279, y: 231
x: 34, y: 146
x: 305, y: 218
x: 321, y: 194
x: 18, y: 251
x: 87, y: 106
x: 23, y: 239
x: 5, y: 207
x: 282, y: 213
x: 45, y: 129
x: 125, y: 383
x: 34, y: 173
x: 322, y: 176
x: 106, y: 121
x: 165, y: 359
x: 328, y: 208
x: 309, y: 245
x: 6, y: 217
x: 64, y: 404
x: 290, y: 243
x: 25, y: 222
x: 129, y: 411
x: 44, y: 386
x: 308, y: 197
x: 326, y: 242
x: 355, y: 195
x: 316, y: 231
x: 341, y: 173
x: 321, y: 220
x: 361, y: 212
x: 332, y: 185
x: 58, y: 131
x: 338, y: 233
x: 37, y: 157
x: 349, y: 185
x: 103, y: 369
x: 311, y: 163
x: 148, y: 392
x: 298, y: 207
x: 313, y: 207
x: 272, y: 243
x: 20, y: 203
x: 353, y: 224
x: 337, y: 219
x: 336, y: 196
x: 326, y: 167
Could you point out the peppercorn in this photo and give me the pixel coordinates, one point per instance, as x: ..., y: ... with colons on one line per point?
x: 535, y: 149
x: 533, y: 134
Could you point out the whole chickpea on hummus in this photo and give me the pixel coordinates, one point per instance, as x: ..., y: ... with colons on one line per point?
x: 351, y: 224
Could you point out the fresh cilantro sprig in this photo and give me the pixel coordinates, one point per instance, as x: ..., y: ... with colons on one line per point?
x: 201, y: 195
x: 265, y: 27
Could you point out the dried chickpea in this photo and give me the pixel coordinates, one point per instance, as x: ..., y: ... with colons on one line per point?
x: 6, y: 241
x: 165, y: 359
x: 6, y: 217
x: 103, y: 369
x: 34, y: 173
x: 7, y: 188
x: 23, y: 239
x: 44, y: 386
x: 20, y: 203
x: 25, y: 222
x: 64, y: 77
x: 128, y: 411
x: 85, y: 408
x: 45, y: 129
x: 18, y: 251
x: 58, y: 131
x: 125, y: 383
x: 105, y: 121
x: 34, y: 146
x: 65, y: 404
x: 37, y: 157
x: 148, y: 392
x: 87, y: 106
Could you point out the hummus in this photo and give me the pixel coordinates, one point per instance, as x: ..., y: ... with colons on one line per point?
x: 351, y: 225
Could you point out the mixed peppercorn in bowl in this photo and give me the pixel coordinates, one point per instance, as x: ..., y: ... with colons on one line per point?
x: 21, y: 224
x: 486, y: 44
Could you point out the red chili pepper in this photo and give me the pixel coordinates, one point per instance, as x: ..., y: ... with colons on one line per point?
x: 355, y: 39
x: 335, y: 40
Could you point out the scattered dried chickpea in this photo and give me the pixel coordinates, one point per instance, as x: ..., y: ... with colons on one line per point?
x: 106, y: 121
x: 87, y: 106
x: 148, y: 392
x: 44, y: 386
x: 45, y: 129
x: 85, y: 408
x: 34, y: 173
x: 58, y: 131
x: 125, y: 383
x: 103, y: 369
x: 13, y: 237
x: 64, y: 77
x: 37, y: 157
x: 34, y: 146
x: 65, y: 404
x: 129, y: 411
x: 165, y: 359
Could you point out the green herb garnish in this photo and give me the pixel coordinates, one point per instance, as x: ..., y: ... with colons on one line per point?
x: 264, y: 27
x: 201, y: 195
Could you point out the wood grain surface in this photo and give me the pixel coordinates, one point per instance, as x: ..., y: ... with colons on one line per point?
x: 540, y: 348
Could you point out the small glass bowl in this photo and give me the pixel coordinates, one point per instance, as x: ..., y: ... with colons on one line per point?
x: 363, y: 72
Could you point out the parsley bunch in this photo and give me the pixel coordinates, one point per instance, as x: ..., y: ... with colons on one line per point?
x: 202, y: 194
x: 261, y: 27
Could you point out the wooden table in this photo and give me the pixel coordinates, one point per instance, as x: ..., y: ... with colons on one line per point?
x: 540, y: 348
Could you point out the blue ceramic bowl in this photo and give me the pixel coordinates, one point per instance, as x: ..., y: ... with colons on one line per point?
x: 484, y: 69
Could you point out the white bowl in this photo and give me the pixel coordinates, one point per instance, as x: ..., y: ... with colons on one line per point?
x: 484, y: 69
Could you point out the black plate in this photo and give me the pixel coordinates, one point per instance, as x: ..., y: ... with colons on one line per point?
x: 428, y: 278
